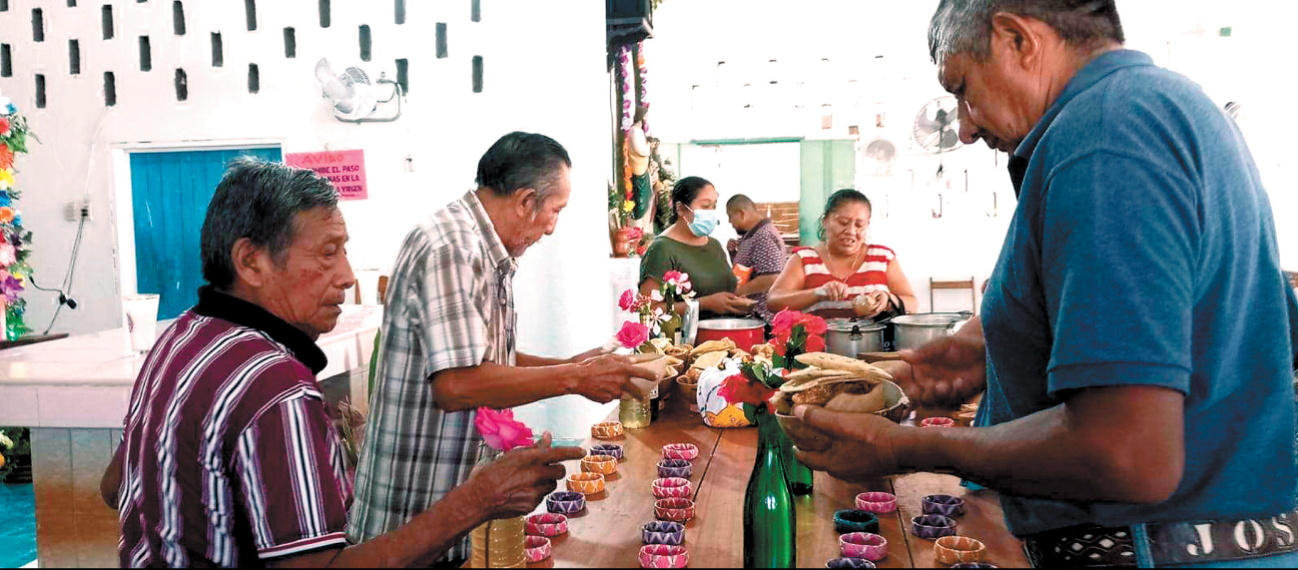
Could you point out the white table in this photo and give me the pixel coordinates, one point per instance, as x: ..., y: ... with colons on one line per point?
x: 84, y: 381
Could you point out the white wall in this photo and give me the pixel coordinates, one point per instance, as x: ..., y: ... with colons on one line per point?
x: 544, y: 72
x: 1181, y: 34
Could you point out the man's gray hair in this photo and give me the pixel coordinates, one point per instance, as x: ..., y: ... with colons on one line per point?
x: 964, y: 26
x: 521, y: 160
x: 260, y: 201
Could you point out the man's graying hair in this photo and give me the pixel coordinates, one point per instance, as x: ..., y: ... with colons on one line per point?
x: 260, y: 201
x: 964, y: 26
x: 523, y: 160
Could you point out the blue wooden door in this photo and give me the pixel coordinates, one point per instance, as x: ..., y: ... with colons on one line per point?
x: 169, y: 193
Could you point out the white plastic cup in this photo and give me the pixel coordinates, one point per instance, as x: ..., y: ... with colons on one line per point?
x: 141, y: 320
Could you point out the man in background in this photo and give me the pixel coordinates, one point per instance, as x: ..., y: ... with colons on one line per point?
x: 759, y: 252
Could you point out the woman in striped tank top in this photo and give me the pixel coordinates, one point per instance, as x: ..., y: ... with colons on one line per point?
x: 825, y: 280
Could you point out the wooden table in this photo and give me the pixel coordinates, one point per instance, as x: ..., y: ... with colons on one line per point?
x: 607, y: 533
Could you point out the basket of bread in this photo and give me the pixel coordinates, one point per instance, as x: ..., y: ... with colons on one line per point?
x: 837, y: 383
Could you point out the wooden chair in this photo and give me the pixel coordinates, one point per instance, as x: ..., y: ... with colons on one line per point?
x: 934, y: 285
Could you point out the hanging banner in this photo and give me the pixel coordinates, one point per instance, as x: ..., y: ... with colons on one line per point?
x: 344, y: 168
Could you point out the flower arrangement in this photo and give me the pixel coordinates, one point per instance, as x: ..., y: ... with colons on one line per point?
x: 500, y: 431
x: 752, y: 388
x: 796, y: 333
x: 14, y: 268
x: 657, y: 308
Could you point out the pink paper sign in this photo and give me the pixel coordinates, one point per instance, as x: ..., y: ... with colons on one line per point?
x: 344, y: 168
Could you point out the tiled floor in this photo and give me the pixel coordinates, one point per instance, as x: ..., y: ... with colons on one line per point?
x: 17, y: 525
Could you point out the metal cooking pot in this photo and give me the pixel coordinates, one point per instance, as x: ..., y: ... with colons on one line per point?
x: 914, y: 331
x: 849, y: 337
x: 745, y: 332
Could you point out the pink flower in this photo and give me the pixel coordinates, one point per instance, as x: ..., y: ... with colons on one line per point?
x: 627, y: 302
x: 673, y: 277
x: 8, y: 256
x: 500, y: 430
x: 784, y: 321
x: 633, y: 334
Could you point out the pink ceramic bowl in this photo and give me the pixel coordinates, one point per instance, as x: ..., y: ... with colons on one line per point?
x: 537, y: 548
x: 675, y: 509
x: 686, y: 451
x: 547, y: 524
x: 877, y: 502
x: 672, y: 487
x: 663, y: 556
x: 939, y: 421
x: 865, y: 545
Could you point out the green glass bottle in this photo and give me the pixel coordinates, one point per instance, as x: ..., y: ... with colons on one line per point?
x: 770, y: 526
x: 799, y: 476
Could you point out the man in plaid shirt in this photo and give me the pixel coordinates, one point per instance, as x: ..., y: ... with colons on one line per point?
x: 448, y: 343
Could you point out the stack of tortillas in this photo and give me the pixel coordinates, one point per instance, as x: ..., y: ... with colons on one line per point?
x: 836, y: 382
x: 711, y: 353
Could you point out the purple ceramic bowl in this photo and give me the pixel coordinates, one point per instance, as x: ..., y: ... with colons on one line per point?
x: 663, y: 532
x: 565, y: 502
x: 675, y: 468
x: 849, y: 563
x: 610, y: 449
x: 945, y: 505
x: 932, y: 527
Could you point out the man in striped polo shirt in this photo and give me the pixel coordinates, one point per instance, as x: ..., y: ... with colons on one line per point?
x: 228, y: 456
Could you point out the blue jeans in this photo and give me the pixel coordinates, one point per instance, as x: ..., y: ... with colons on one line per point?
x: 1286, y: 560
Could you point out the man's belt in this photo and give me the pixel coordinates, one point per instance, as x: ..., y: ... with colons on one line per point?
x: 1168, y: 543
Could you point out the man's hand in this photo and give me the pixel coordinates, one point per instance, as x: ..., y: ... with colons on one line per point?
x: 592, y: 353
x: 862, y: 444
x: 515, y: 484
x: 944, y: 373
x: 604, y: 378
x: 732, y: 247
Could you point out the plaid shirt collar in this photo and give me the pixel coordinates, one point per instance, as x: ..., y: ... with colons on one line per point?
x: 500, y: 257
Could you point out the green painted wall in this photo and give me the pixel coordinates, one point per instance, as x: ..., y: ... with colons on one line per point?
x: 827, y: 166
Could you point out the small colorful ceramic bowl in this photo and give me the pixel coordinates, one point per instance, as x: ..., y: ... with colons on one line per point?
x: 565, y: 502
x: 974, y: 565
x: 586, y: 483
x: 602, y: 464
x: 606, y: 430
x: 855, y: 520
x: 663, y: 532
x: 865, y: 545
x: 546, y: 524
x: 957, y: 549
x: 609, y: 449
x: 537, y: 548
x: 932, y: 526
x: 668, y: 468
x: 939, y: 421
x: 675, y: 509
x: 663, y: 556
x: 877, y: 502
x: 672, y: 487
x: 849, y: 563
x: 686, y: 451
x: 945, y: 505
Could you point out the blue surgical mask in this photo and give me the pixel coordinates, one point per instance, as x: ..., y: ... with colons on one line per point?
x: 704, y: 222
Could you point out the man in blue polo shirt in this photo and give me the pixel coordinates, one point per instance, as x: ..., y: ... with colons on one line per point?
x: 1137, y: 337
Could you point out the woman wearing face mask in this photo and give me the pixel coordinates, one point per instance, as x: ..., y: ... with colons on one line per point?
x: 827, y: 279
x: 686, y: 247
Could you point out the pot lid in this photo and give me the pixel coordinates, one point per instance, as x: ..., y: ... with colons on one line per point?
x: 931, y: 319
x: 846, y: 325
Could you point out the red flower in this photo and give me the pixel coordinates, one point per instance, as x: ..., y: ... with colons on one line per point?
x: 779, y: 343
x: 500, y: 430
x: 632, y: 334
x: 815, y: 343
x: 672, y: 276
x: 738, y: 390
x: 6, y: 157
x: 783, y: 322
x: 627, y: 302
x: 815, y: 325
x: 635, y: 234
x: 4, y: 127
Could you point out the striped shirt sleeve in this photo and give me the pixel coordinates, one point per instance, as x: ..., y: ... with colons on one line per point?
x: 290, y: 486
